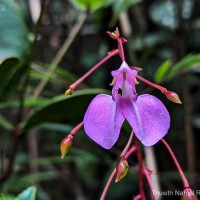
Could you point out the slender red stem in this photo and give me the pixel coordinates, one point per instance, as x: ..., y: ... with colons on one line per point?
x: 121, y: 49
x: 103, y: 195
x: 184, y: 179
x: 146, y: 173
x: 127, y: 145
x: 129, y: 152
x: 140, y: 164
x: 75, y: 84
x: 162, y: 89
x: 76, y: 128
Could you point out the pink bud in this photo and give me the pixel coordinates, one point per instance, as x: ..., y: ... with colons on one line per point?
x: 172, y: 96
x: 65, y: 145
x: 188, y: 194
x: 121, y: 169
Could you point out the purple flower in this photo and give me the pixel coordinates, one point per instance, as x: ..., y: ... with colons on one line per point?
x: 146, y: 114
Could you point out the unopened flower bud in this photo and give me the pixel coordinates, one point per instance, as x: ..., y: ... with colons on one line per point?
x: 65, y: 145
x: 68, y: 92
x: 188, y: 194
x: 112, y: 35
x: 172, y: 96
x: 121, y: 169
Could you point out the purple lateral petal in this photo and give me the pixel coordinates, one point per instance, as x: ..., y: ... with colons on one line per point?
x: 103, y: 120
x: 148, y: 117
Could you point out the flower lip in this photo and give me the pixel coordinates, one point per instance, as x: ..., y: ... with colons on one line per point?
x: 124, y: 80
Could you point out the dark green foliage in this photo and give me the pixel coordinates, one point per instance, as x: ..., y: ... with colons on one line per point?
x: 163, y: 41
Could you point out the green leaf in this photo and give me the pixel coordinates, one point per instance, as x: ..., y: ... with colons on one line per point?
x: 7, y: 197
x: 13, y: 34
x: 28, y: 102
x: 56, y: 127
x: 8, y: 67
x: 88, y: 4
x: 14, y: 42
x: 162, y: 71
x: 189, y: 62
x: 63, y: 109
x: 27, y: 194
x: 60, y: 76
x: 5, y: 123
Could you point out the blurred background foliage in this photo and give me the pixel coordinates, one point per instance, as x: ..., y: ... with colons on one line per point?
x: 163, y: 39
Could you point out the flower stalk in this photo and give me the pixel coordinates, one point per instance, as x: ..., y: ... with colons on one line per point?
x: 182, y: 175
x: 172, y: 96
x: 146, y: 173
x: 141, y: 169
x: 126, y: 154
x: 73, y: 86
x: 67, y: 142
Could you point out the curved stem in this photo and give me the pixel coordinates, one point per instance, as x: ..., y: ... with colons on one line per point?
x: 184, y: 179
x: 127, y: 145
x: 140, y: 163
x: 75, y: 84
x: 121, y: 49
x: 162, y: 89
x: 76, y: 128
x: 146, y: 173
x: 103, y: 195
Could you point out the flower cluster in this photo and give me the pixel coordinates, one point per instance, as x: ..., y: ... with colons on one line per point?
x: 146, y: 114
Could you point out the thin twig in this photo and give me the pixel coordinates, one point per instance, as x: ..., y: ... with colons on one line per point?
x: 73, y: 33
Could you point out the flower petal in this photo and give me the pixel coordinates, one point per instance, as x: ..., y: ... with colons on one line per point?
x: 148, y: 117
x: 103, y: 120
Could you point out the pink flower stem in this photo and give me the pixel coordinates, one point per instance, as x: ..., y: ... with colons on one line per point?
x: 138, y: 197
x: 103, y: 195
x: 162, y: 89
x: 140, y: 163
x: 146, y: 173
x: 129, y: 152
x: 75, y: 84
x: 121, y: 49
x: 127, y: 145
x: 76, y: 128
x: 184, y: 179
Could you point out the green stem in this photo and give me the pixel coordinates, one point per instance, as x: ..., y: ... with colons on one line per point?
x: 73, y: 33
